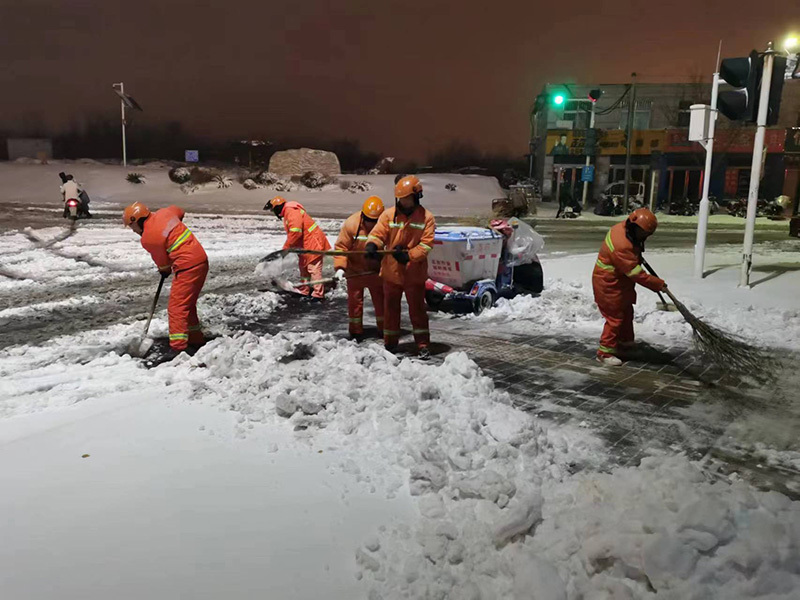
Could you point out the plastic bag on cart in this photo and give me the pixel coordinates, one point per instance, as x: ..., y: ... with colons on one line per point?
x: 523, y: 244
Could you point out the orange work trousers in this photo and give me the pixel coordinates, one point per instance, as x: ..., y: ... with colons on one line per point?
x: 311, y: 271
x: 355, y: 302
x: 415, y: 296
x: 184, y: 326
x: 618, y: 328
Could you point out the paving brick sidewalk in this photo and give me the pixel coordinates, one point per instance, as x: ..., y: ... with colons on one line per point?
x: 670, y: 400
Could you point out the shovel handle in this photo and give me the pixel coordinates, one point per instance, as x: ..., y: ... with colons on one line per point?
x: 281, y: 253
x: 155, y: 301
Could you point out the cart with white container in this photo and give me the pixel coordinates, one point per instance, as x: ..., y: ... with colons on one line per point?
x: 468, y: 269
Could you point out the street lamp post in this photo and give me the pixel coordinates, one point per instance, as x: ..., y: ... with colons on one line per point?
x: 588, y: 158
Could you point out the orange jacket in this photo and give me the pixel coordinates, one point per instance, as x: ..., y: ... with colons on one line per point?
x: 353, y: 236
x: 302, y: 232
x: 415, y: 233
x: 170, y: 242
x: 618, y: 269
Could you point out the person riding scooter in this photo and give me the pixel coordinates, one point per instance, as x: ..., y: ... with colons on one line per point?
x: 70, y: 190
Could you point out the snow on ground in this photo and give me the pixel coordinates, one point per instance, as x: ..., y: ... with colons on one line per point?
x: 107, y: 188
x: 301, y: 465
x: 766, y: 314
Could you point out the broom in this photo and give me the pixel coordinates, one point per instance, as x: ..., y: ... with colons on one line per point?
x: 729, y: 352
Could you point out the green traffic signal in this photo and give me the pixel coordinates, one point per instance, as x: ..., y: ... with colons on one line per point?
x: 558, y: 99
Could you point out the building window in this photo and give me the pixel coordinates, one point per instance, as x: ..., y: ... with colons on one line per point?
x: 641, y: 116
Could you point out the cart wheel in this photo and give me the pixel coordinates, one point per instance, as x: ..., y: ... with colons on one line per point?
x: 484, y: 301
x: 433, y: 300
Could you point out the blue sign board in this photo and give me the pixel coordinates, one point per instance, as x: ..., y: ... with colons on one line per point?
x: 192, y: 155
x: 587, y: 173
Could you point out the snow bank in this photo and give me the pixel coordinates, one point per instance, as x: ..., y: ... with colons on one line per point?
x: 765, y: 315
x: 500, y: 513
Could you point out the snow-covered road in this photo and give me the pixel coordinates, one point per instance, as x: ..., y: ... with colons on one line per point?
x: 302, y: 465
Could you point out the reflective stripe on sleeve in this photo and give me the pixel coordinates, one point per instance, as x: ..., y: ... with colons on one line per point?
x: 312, y: 228
x: 609, y: 243
x: 604, y: 266
x: 425, y: 246
x: 181, y: 239
x: 635, y: 271
x: 295, y: 229
x: 395, y: 225
x: 375, y: 240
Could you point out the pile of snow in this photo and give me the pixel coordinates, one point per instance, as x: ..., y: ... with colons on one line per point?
x: 500, y: 514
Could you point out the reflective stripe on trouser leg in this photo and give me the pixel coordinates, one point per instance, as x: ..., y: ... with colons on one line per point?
x: 182, y: 305
x: 304, y: 277
x: 355, y: 307
x: 375, y: 285
x: 314, y: 270
x: 415, y: 296
x: 392, y: 294
x: 610, y: 338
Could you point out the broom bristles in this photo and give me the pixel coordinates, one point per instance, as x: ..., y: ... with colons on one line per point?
x: 727, y: 351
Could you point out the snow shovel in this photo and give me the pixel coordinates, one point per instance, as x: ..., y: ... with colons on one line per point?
x: 139, y: 348
x: 662, y: 305
x: 282, y: 253
x: 287, y: 286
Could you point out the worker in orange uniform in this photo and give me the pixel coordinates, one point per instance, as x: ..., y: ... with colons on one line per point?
x: 408, y: 230
x: 176, y: 250
x: 360, y: 271
x: 617, y: 270
x: 302, y: 232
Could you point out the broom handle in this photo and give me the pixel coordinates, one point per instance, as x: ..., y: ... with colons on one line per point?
x: 330, y: 279
x: 654, y: 274
x: 281, y: 253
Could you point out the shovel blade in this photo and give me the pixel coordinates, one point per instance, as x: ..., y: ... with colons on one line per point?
x: 140, y: 348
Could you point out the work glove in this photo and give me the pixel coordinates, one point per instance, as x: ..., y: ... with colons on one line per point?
x: 165, y: 271
x: 400, y: 254
x: 339, y: 275
x: 372, y: 251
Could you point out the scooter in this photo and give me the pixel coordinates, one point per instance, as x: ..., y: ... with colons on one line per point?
x: 72, y: 209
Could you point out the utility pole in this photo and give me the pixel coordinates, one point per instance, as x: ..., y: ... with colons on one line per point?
x: 122, y: 108
x: 631, y: 115
x: 702, y: 221
x: 755, y: 170
x: 588, y: 160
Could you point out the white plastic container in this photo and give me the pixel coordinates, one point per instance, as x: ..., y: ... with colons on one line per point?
x: 462, y: 255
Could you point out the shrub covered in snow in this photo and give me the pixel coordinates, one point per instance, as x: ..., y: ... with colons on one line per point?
x: 136, y: 178
x: 267, y: 178
x: 284, y: 185
x: 179, y: 175
x: 249, y: 184
x: 359, y: 186
x: 223, y: 181
x: 315, y: 180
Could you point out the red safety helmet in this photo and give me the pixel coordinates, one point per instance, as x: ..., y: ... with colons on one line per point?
x: 134, y: 212
x: 645, y: 219
x: 407, y: 186
x: 372, y: 208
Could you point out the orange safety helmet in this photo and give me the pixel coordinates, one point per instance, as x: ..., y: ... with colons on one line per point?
x: 134, y: 212
x: 274, y: 203
x: 373, y: 208
x: 645, y: 219
x: 408, y: 185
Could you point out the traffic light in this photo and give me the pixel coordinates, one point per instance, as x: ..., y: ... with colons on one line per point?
x: 594, y: 95
x: 558, y: 98
x: 590, y: 145
x: 744, y: 74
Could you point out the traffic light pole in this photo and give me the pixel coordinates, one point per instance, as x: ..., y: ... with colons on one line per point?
x: 588, y: 162
x: 702, y: 222
x: 631, y: 122
x: 755, y: 170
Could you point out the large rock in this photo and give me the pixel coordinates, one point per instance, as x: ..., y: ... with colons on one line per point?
x: 303, y: 160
